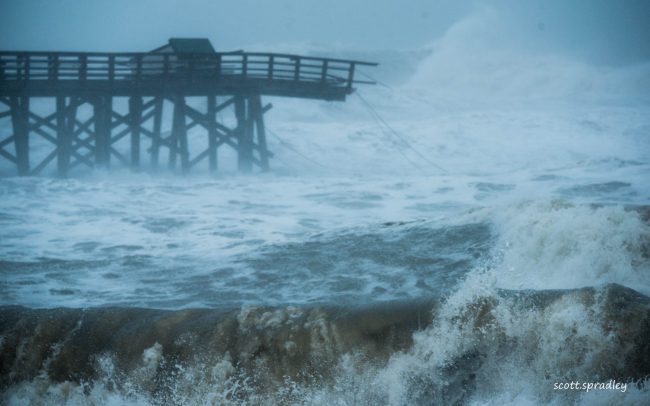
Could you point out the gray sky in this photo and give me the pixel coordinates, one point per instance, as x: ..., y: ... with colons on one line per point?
x: 607, y: 31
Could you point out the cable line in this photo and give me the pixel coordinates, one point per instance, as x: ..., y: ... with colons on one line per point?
x: 379, y: 82
x: 381, y: 120
x: 295, y: 151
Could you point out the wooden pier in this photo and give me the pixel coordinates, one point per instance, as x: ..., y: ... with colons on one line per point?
x: 152, y: 85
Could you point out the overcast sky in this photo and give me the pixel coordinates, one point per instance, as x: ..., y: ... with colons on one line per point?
x: 607, y: 31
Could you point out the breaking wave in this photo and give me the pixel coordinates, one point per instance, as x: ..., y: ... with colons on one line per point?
x: 505, y: 334
x: 491, y: 346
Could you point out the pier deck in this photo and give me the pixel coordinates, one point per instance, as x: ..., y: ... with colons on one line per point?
x: 229, y: 80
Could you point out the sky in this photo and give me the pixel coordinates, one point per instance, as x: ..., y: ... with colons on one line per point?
x: 605, y: 31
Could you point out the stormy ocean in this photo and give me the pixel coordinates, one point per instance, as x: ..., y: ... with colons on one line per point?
x: 465, y: 232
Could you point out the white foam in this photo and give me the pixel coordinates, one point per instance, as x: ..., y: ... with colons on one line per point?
x: 485, y: 58
x: 555, y: 245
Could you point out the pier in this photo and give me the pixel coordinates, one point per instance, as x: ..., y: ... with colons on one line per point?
x: 84, y: 126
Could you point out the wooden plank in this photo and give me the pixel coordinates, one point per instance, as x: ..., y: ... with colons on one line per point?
x: 49, y: 158
x: 151, y: 104
x: 138, y: 68
x: 182, y: 136
x: 83, y: 65
x: 78, y: 142
x: 157, y: 125
x: 244, y: 134
x: 122, y: 56
x: 42, y: 121
x: 296, y: 75
x: 119, y: 156
x: 271, y: 67
x: 7, y: 155
x: 178, y: 137
x: 199, y: 157
x: 82, y: 127
x: 26, y: 67
x: 120, y: 119
x: 64, y: 137
x: 225, y: 104
x: 244, y: 68
x: 82, y: 159
x: 351, y: 75
x: 53, y: 67
x: 202, y: 119
x: 103, y: 120
x: 7, y: 141
x: 257, y: 113
x: 45, y: 135
x: 123, y: 133
x: 135, y: 113
x: 166, y: 67
x: 20, y: 122
x: 191, y: 125
x: 197, y: 118
x: 324, y: 71
x: 111, y: 68
x: 212, y: 132
x: 147, y: 132
x: 306, y: 87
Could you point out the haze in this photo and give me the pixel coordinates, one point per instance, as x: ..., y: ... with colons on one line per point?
x: 601, y: 31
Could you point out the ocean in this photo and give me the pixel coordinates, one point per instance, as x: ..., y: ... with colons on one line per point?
x: 459, y: 234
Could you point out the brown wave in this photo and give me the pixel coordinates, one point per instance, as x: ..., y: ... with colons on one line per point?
x: 271, y: 344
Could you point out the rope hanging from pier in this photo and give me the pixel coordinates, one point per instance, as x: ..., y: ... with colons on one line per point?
x: 391, y: 131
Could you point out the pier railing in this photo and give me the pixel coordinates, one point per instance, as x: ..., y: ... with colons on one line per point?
x: 144, y: 67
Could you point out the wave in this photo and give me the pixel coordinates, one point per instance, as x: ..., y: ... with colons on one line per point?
x: 557, y: 244
x: 487, y: 57
x: 475, y: 346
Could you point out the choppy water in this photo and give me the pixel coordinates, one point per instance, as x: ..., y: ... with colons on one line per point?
x: 357, y: 272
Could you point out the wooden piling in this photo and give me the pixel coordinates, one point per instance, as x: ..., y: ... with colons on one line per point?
x: 212, y: 132
x: 155, y: 138
x: 103, y: 107
x: 20, y: 122
x: 244, y: 134
x: 135, y: 115
x: 258, y: 117
x: 63, y: 136
x: 178, y: 144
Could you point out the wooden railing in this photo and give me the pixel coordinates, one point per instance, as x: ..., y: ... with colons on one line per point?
x: 141, y: 67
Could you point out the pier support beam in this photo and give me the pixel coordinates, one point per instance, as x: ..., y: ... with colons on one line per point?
x: 244, y: 132
x: 156, y: 140
x: 135, y: 114
x: 212, y: 132
x: 257, y: 113
x: 93, y: 141
x: 64, y: 134
x: 178, y: 140
x: 20, y: 122
x: 103, y: 127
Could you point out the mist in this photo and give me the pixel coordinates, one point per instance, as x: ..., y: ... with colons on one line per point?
x: 468, y: 223
x: 607, y: 32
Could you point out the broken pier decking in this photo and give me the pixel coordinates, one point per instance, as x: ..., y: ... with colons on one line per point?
x: 234, y: 81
